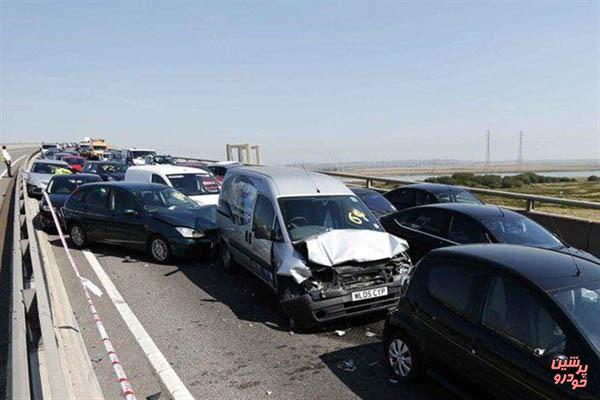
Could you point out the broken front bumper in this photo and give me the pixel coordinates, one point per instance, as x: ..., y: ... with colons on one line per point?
x: 307, y: 310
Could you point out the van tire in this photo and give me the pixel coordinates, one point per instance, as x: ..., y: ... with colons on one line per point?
x: 285, y: 291
x: 227, y: 260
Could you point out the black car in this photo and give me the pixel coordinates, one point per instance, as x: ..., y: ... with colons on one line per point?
x: 515, y: 321
x: 419, y: 194
x: 144, y: 216
x: 59, y: 188
x: 439, y: 225
x: 107, y: 170
x: 378, y: 204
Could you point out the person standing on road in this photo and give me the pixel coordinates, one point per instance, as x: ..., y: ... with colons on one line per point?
x: 5, y: 156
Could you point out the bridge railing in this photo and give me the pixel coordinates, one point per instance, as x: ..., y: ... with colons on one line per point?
x: 531, y: 199
x: 32, y: 334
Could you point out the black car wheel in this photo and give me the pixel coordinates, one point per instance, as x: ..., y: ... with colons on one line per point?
x: 159, y: 249
x: 228, y: 263
x: 404, y: 358
x: 78, y: 236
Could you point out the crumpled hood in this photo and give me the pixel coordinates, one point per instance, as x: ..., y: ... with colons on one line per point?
x: 186, y: 218
x: 353, y: 245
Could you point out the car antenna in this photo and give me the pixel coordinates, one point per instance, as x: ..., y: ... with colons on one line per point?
x: 311, y: 179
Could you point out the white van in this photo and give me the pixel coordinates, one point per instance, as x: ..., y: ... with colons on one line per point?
x: 196, y: 183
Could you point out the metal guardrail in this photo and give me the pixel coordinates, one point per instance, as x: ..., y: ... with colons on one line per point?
x: 531, y: 199
x: 32, y: 329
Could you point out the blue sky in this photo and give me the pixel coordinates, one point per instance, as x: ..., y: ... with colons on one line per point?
x: 308, y: 80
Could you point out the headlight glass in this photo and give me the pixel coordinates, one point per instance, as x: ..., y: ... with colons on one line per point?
x: 189, y: 232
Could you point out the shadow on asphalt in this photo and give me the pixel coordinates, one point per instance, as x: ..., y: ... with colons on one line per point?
x: 248, y: 297
x: 369, y: 378
x: 252, y: 301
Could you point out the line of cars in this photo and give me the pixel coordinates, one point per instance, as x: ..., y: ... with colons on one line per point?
x: 498, y: 313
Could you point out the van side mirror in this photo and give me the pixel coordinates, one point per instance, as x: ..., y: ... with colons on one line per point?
x: 261, y: 232
x: 224, y: 210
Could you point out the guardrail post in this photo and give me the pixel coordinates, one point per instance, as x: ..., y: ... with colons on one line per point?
x: 369, y: 183
x: 530, y: 205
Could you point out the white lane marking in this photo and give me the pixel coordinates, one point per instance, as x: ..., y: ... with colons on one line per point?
x: 166, y: 374
x: 14, y: 164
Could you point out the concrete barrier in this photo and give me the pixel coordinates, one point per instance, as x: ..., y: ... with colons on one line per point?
x: 577, y: 232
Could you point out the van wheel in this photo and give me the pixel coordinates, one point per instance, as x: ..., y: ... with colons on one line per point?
x: 404, y: 358
x: 78, y: 236
x: 228, y: 262
x: 159, y: 249
x: 287, y: 290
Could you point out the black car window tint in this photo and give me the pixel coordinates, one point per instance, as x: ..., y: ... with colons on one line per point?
x: 516, y: 313
x: 121, y: 201
x: 264, y: 215
x: 464, y: 196
x: 464, y: 230
x: 97, y: 198
x: 158, y: 179
x: 454, y: 285
x: 403, y: 197
x: 428, y: 220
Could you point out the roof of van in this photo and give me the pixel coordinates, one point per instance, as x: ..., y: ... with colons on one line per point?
x: 168, y: 169
x: 298, y: 182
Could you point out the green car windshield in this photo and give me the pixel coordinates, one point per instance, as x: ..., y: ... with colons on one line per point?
x: 165, y: 198
x: 309, y: 216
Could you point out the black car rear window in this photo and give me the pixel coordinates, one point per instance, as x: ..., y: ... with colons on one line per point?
x: 454, y: 285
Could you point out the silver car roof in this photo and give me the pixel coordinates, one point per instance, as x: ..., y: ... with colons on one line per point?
x: 297, y: 181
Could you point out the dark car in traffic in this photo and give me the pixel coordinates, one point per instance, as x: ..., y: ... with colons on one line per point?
x: 142, y: 216
x: 378, y: 204
x: 439, y: 225
x: 107, y: 170
x: 419, y: 194
x: 59, y: 188
x: 517, y: 322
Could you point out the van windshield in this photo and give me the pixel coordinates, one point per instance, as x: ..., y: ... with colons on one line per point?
x: 309, y: 216
x: 194, y: 184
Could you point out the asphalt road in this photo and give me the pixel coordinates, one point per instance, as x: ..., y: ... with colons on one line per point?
x: 224, y: 336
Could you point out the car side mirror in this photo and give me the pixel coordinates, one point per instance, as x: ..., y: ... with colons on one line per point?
x: 131, y: 212
x: 261, y: 232
x: 549, y: 359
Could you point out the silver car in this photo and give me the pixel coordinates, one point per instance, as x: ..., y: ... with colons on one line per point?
x: 315, y: 243
x: 40, y: 174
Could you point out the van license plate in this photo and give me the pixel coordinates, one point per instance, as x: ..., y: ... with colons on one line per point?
x: 369, y: 294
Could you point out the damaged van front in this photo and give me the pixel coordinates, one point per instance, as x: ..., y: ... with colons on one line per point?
x: 315, y: 244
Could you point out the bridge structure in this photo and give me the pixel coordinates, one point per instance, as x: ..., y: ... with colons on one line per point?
x: 182, y: 330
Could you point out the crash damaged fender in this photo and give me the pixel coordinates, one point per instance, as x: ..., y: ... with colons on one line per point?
x: 337, y: 247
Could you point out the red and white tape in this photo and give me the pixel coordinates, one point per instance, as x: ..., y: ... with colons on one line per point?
x: 87, y: 285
